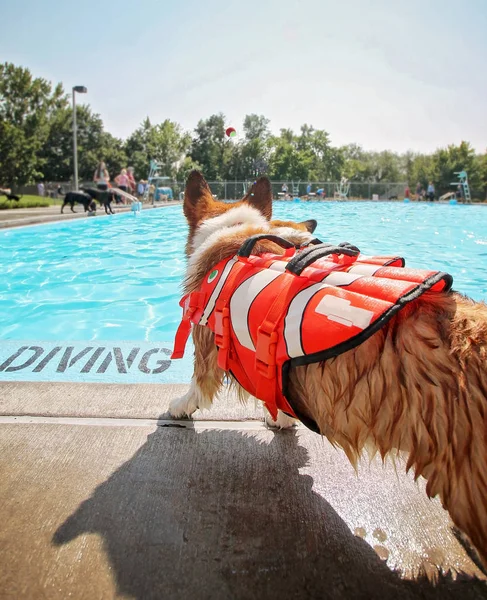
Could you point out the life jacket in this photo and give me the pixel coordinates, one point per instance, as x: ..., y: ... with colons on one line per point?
x: 276, y: 311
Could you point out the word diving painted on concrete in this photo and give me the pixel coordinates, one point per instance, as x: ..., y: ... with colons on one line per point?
x: 111, y: 362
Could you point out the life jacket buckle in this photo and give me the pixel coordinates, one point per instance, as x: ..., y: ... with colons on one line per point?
x: 190, y: 303
x: 222, y: 334
x: 265, y: 353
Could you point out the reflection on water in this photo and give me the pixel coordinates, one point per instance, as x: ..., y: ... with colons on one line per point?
x: 120, y: 277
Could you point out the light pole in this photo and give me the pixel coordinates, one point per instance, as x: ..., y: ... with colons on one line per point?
x: 81, y: 90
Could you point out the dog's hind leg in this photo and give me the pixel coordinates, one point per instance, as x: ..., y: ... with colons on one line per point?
x: 207, y: 377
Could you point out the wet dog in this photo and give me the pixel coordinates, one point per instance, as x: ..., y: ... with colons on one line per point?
x: 73, y: 198
x: 417, y: 385
x: 104, y: 197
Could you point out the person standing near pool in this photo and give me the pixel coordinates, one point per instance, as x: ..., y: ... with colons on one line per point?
x: 130, y: 175
x: 122, y: 182
x: 431, y: 191
x: 419, y: 190
x: 101, y: 177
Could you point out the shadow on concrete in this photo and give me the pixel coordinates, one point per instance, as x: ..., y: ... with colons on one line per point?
x: 226, y: 514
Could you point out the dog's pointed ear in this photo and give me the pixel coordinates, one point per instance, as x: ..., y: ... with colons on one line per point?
x: 260, y: 197
x: 197, y: 198
x: 310, y: 225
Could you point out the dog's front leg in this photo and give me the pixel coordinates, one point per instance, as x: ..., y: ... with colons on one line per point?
x: 207, y: 377
x: 283, y: 421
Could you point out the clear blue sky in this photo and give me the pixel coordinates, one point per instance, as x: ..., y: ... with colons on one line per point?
x: 388, y: 74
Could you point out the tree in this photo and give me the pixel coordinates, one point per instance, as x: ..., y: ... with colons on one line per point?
x: 421, y: 170
x: 26, y: 107
x: 385, y: 166
x: 356, y: 163
x: 445, y: 162
x: 305, y: 157
x: 211, y: 148
x: 185, y: 169
x: 165, y: 143
x: 481, y: 160
x: 94, y: 144
x: 248, y: 158
x: 256, y: 127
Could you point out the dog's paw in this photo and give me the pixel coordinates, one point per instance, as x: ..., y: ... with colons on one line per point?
x: 184, y: 406
x: 282, y: 421
x: 190, y: 402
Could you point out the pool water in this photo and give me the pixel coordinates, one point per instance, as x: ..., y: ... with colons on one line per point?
x: 119, y: 278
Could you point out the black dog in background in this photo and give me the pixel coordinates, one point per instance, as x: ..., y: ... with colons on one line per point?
x: 9, y: 195
x: 73, y: 198
x: 87, y: 197
x: 105, y: 198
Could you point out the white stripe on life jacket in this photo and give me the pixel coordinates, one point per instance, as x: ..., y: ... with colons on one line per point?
x: 341, y: 311
x: 365, y: 269
x: 241, y: 302
x: 294, y: 317
x: 341, y: 278
x: 216, y: 292
x: 278, y: 265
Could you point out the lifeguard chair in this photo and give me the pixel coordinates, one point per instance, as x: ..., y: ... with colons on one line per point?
x: 463, y: 181
x: 342, y: 189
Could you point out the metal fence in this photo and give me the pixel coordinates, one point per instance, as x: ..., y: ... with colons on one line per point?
x: 234, y: 190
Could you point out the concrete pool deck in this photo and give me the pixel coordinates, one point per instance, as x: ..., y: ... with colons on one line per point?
x: 19, y: 217
x: 103, y: 495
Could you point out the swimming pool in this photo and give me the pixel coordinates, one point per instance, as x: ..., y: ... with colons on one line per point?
x: 119, y: 278
x: 96, y: 300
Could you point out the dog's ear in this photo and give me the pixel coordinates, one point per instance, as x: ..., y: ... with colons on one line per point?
x: 260, y: 197
x: 197, y: 198
x: 310, y: 225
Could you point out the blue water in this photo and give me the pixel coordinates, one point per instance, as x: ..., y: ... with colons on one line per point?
x: 118, y: 278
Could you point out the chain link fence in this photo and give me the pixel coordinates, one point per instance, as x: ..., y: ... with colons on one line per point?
x: 235, y: 190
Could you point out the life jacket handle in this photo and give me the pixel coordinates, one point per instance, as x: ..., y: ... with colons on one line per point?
x: 309, y: 255
x: 247, y: 247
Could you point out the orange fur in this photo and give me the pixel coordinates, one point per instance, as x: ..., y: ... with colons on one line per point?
x: 419, y: 385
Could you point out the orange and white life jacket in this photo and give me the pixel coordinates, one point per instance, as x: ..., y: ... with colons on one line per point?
x: 272, y: 312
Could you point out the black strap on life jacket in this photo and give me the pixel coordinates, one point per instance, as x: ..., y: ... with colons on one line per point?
x: 247, y: 247
x: 309, y: 255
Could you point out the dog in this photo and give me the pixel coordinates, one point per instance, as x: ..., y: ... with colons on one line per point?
x: 104, y: 197
x: 10, y: 196
x: 417, y: 385
x: 73, y: 198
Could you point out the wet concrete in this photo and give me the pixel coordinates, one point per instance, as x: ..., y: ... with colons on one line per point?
x: 134, y: 401
x: 217, y: 509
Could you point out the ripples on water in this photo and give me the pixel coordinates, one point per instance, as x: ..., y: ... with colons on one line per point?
x: 119, y: 278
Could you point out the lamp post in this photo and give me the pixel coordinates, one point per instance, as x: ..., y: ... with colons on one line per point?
x: 81, y: 90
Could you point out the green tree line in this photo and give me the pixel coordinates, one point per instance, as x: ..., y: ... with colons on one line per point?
x: 36, y: 144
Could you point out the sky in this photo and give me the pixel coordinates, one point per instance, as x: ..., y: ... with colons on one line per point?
x: 386, y: 74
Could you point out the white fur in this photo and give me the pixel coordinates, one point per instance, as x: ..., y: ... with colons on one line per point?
x: 282, y: 421
x: 294, y: 234
x: 241, y: 215
x: 190, y: 402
